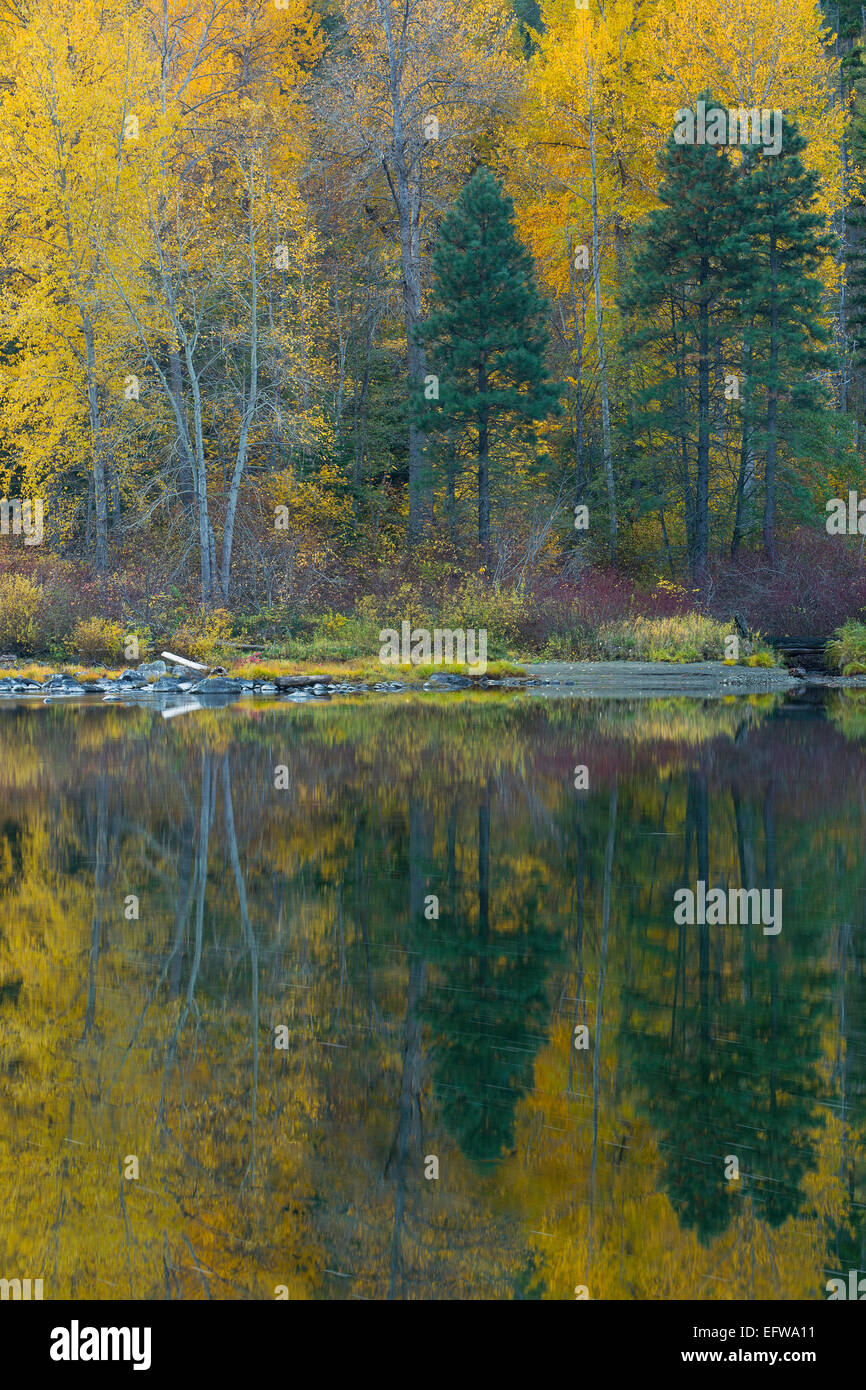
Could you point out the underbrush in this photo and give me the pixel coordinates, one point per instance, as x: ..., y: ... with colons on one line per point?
x: 846, y: 650
x: 690, y: 637
x: 60, y: 611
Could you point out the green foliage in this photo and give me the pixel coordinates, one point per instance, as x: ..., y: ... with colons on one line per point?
x: 485, y: 337
x: 725, y: 289
x: 691, y: 637
x: 846, y: 650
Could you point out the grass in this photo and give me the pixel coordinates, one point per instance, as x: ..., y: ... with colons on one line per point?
x: 345, y: 653
x: 689, y: 637
x: 369, y: 672
x: 846, y: 650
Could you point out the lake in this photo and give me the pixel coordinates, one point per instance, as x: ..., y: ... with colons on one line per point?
x: 365, y: 999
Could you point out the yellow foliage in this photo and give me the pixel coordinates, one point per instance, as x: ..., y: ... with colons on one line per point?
x: 204, y: 637
x: 93, y: 638
x: 20, y: 601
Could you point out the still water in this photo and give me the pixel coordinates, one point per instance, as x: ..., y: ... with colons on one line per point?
x: 366, y: 1000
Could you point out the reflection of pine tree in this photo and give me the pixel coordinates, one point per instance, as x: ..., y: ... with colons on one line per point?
x: 488, y: 1011
x: 849, y: 1074
x: 735, y: 1072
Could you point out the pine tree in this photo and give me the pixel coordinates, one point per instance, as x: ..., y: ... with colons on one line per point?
x: 854, y: 325
x: 679, y: 298
x: 781, y: 301
x: 726, y: 286
x: 485, y: 336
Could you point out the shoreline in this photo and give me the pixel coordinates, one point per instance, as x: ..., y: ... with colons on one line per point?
x: 155, y: 683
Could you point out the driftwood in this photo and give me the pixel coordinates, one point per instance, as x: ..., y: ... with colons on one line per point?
x: 183, y: 661
x: 195, y: 665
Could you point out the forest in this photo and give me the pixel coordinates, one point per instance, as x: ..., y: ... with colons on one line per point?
x: 532, y: 315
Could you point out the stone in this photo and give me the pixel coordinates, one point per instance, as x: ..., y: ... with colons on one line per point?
x: 446, y: 680
x: 218, y: 685
x: 149, y: 669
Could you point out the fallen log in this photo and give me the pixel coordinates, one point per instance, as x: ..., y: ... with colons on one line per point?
x: 183, y: 661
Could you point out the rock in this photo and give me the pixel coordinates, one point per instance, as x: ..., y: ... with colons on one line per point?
x: 167, y: 685
x: 152, y: 668
x: 8, y: 660
x: 218, y: 685
x: 266, y: 688
x: 445, y: 680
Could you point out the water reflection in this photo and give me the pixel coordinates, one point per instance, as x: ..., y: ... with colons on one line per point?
x: 283, y: 958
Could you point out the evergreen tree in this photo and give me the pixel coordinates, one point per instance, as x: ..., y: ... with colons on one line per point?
x: 725, y: 290
x: 853, y: 325
x: 485, y: 336
x: 781, y: 301
x: 678, y: 297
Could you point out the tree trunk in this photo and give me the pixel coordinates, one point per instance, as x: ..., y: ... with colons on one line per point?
x: 579, y: 336
x: 702, y: 500
x: 416, y: 356
x: 204, y: 539
x: 772, y: 415
x: 406, y: 193
x: 746, y: 478
x: 100, y: 495
x: 249, y: 412
x: 602, y: 355
x: 186, y: 472
x: 483, y: 470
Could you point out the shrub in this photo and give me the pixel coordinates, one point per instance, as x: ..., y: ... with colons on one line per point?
x: 690, y: 637
x: 502, y: 611
x: 204, y: 636
x: 846, y: 650
x: 20, y: 603
x: 99, y: 639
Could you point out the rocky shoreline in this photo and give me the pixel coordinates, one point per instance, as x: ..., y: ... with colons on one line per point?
x: 157, y: 684
x: 154, y: 680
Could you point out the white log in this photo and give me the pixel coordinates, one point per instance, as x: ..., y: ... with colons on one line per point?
x: 183, y: 661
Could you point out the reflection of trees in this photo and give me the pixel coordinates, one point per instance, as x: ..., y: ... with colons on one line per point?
x: 409, y: 1036
x: 735, y: 1071
x: 488, y: 1011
